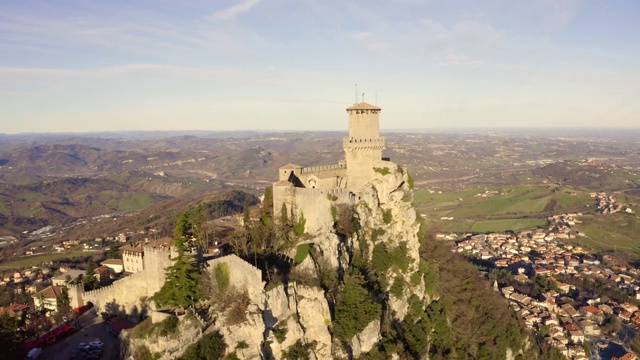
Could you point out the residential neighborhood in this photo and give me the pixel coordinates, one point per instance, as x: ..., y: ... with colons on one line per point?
x: 575, y: 318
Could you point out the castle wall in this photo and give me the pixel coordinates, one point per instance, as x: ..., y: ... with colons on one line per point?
x: 360, y: 163
x: 323, y: 180
x: 315, y: 204
x: 242, y: 274
x: 155, y: 263
x: 123, y: 295
x: 321, y: 168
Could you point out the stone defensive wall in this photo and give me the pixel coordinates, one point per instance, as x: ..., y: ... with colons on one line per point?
x: 155, y: 263
x: 124, y: 294
x: 314, y: 204
x: 321, y: 168
x: 343, y: 195
x: 241, y: 273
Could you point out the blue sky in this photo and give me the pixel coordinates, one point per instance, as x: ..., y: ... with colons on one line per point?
x: 292, y: 64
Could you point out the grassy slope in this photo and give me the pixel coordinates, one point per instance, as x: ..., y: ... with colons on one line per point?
x: 525, y: 207
x: 513, y: 208
x: 612, y: 231
x: 29, y: 261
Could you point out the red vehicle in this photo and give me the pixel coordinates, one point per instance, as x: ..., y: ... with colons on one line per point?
x: 83, y: 309
x: 49, y: 338
x: 63, y: 331
x: 33, y: 344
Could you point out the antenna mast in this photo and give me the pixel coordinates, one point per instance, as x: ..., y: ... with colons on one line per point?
x: 356, y: 97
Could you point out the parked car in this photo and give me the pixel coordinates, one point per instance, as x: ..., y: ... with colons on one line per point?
x: 34, y: 353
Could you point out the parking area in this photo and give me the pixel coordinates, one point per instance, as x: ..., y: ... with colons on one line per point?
x: 91, y: 342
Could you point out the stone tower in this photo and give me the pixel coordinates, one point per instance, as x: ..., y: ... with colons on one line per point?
x: 363, y: 148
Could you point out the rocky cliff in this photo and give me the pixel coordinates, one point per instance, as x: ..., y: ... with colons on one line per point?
x: 359, y: 287
x: 375, y: 242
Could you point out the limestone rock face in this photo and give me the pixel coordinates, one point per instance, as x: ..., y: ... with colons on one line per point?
x: 167, y: 346
x: 326, y: 244
x: 386, y: 205
x: 280, y: 317
x: 250, y: 331
x: 304, y: 312
x: 366, y: 339
x: 314, y: 318
x: 276, y: 319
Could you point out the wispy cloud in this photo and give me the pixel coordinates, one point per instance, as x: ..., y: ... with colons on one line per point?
x: 370, y: 42
x: 466, y: 34
x: 235, y: 10
x: 459, y: 61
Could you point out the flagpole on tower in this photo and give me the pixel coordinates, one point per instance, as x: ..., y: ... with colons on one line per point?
x: 356, y: 97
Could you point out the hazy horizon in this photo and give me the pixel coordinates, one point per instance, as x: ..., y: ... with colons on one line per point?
x: 576, y: 130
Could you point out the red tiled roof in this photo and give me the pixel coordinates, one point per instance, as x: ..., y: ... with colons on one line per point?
x: 592, y: 309
x: 13, y: 308
x: 51, y: 292
x: 101, y: 269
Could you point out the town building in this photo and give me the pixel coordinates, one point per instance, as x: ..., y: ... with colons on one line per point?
x: 48, y: 298
x: 133, y: 254
x: 116, y: 265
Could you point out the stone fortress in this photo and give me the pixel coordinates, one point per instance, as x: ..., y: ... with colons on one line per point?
x: 379, y: 193
x: 309, y: 191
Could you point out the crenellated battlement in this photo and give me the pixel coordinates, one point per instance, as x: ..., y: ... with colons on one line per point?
x: 363, y: 144
x: 377, y: 141
x: 322, y: 168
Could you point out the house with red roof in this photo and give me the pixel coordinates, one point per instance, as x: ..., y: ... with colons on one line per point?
x: 47, y: 298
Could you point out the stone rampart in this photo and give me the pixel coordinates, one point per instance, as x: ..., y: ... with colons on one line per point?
x: 123, y: 296
x: 314, y: 204
x: 321, y: 168
x: 155, y: 263
x: 242, y: 274
x: 344, y: 196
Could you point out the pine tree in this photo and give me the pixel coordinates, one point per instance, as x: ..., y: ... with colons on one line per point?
x: 180, y: 288
x: 90, y: 281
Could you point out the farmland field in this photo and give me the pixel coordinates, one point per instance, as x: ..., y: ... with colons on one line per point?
x: 35, y: 260
x: 609, y: 232
x: 495, y: 209
x: 486, y: 226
